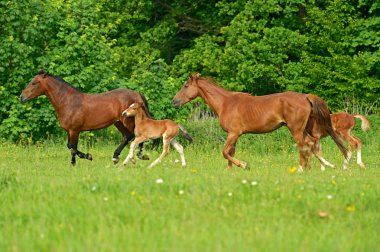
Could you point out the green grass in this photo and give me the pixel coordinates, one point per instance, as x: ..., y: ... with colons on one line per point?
x: 47, y: 205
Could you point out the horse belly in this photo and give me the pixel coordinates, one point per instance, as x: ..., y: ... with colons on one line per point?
x: 99, y: 118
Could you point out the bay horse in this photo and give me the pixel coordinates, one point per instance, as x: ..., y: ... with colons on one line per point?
x: 75, y: 110
x: 343, y: 124
x: 147, y: 128
x: 241, y: 113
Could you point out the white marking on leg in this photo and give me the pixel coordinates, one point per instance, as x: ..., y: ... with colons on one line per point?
x: 359, y: 161
x: 300, y: 169
x: 130, y: 154
x: 179, y: 148
x: 163, y: 154
x: 325, y: 162
x: 322, y: 167
x: 345, y: 163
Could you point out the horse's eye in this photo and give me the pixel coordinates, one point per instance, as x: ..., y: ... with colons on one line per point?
x: 186, y: 85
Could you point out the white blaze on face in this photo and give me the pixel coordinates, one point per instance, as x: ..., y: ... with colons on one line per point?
x: 132, y: 105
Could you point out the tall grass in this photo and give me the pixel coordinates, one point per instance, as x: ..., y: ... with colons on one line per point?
x: 47, y: 205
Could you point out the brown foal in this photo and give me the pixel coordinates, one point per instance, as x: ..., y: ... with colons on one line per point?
x: 343, y: 124
x: 239, y: 113
x: 147, y: 128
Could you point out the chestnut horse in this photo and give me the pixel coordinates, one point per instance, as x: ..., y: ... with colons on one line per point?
x: 241, y: 113
x: 75, y: 110
x: 147, y: 128
x: 343, y: 124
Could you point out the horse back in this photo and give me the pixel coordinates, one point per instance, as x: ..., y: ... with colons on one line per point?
x: 261, y: 114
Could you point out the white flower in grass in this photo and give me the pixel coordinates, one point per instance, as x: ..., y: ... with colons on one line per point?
x: 105, y: 199
x: 159, y: 181
x: 93, y: 188
x: 230, y: 194
x: 244, y: 181
x: 180, y: 192
x: 254, y: 183
x: 329, y: 196
x: 176, y: 161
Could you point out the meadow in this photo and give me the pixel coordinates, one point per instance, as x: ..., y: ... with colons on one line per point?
x: 48, y: 205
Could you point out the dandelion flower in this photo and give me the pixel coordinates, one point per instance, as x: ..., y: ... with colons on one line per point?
x: 351, y: 208
x: 292, y: 169
x: 159, y: 181
x: 133, y: 193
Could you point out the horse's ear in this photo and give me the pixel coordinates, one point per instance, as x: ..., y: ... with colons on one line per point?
x: 42, y: 71
x: 196, y: 76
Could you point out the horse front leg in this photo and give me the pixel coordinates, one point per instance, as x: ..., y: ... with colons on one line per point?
x: 165, y: 151
x: 317, y: 150
x: 73, y: 145
x: 230, y: 143
x: 132, y: 148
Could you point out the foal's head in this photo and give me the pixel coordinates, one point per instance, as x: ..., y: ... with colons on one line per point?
x: 35, y: 88
x: 132, y: 110
x: 188, y: 92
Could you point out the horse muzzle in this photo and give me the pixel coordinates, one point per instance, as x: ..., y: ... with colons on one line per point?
x: 177, y: 103
x: 124, y: 114
x: 23, y: 99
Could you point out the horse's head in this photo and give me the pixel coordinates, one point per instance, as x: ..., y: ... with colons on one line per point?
x: 132, y: 110
x: 35, y: 88
x: 188, y: 92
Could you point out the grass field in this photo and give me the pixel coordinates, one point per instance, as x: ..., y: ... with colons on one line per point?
x: 47, y: 205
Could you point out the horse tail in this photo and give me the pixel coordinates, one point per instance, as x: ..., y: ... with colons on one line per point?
x: 185, y: 133
x: 146, y: 107
x: 321, y: 114
x: 366, y: 125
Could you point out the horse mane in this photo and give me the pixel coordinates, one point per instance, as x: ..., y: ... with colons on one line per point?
x: 60, y: 80
x: 211, y: 81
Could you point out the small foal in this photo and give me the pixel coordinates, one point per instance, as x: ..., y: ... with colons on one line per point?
x: 147, y: 128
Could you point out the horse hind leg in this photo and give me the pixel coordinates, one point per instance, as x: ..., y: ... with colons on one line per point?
x: 179, y: 149
x: 358, y: 145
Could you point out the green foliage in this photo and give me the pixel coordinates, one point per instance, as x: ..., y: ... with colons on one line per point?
x: 329, y: 48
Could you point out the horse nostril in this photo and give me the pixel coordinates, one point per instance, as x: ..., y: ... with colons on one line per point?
x: 175, y: 103
x: 22, y: 99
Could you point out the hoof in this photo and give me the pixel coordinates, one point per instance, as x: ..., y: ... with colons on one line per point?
x: 244, y: 165
x: 115, y: 160
x: 361, y: 165
x: 143, y: 157
x: 133, y: 161
x: 89, y: 156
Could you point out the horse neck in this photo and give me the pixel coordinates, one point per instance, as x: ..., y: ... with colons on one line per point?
x: 213, y: 95
x: 140, y: 116
x: 58, y: 92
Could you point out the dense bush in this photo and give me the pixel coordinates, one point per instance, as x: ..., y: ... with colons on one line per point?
x: 330, y: 48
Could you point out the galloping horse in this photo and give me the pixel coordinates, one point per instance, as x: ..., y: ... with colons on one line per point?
x: 343, y: 123
x: 241, y: 113
x: 147, y: 128
x: 75, y: 110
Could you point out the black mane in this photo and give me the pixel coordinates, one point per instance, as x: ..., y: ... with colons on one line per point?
x: 62, y: 81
